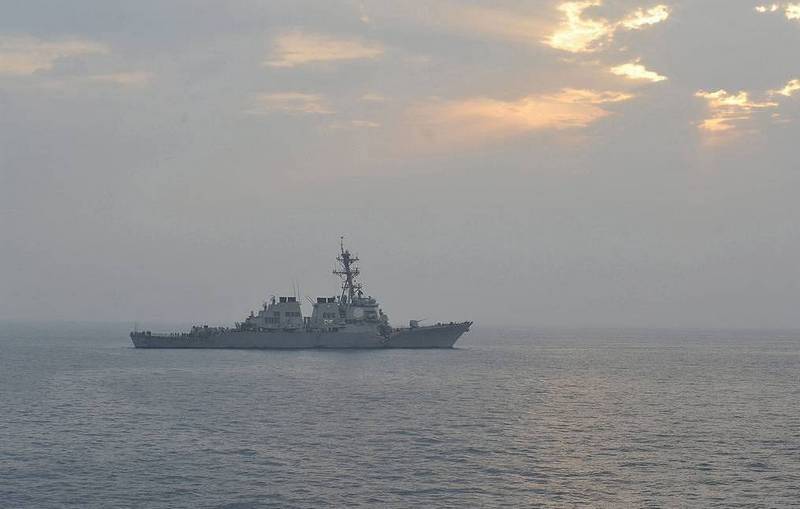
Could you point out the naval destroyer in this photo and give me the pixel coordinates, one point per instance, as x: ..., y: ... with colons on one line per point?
x: 349, y: 320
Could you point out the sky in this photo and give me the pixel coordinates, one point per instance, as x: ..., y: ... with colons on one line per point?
x: 582, y: 163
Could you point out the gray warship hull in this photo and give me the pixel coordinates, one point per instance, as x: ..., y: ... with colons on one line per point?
x: 433, y: 336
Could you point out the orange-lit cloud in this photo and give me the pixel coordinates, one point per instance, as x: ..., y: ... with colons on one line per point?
x: 790, y: 10
x: 578, y: 33
x: 297, y: 48
x: 23, y: 55
x: 727, y: 110
x: 636, y: 71
x: 290, y: 102
x: 482, y: 119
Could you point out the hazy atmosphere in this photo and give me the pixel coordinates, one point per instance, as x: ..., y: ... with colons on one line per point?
x: 588, y: 163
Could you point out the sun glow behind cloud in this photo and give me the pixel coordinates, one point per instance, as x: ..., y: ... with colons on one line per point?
x: 579, y: 34
x: 297, y: 48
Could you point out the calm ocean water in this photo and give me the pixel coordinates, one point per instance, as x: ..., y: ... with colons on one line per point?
x: 511, y: 418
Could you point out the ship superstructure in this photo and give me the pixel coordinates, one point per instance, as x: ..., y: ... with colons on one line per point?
x: 349, y: 320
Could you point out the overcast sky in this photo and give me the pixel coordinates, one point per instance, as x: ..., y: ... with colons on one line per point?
x: 616, y: 163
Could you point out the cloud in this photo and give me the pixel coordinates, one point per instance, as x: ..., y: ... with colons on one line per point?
x: 791, y: 11
x: 643, y: 18
x: 577, y: 34
x: 482, y: 119
x: 355, y: 124
x: 372, y: 97
x: 495, y: 22
x: 290, y: 102
x: 584, y: 96
x: 134, y: 78
x: 30, y: 56
x: 767, y: 8
x: 580, y: 34
x: 569, y: 27
x: 636, y: 71
x: 727, y: 110
x: 25, y: 55
x: 788, y: 90
x: 364, y: 123
x: 298, y: 48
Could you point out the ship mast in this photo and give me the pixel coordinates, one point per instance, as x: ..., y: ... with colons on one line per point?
x: 348, y: 271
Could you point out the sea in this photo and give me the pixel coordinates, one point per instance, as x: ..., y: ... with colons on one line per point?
x: 509, y: 418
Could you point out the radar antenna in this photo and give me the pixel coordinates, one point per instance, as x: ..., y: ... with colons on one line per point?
x: 349, y: 273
